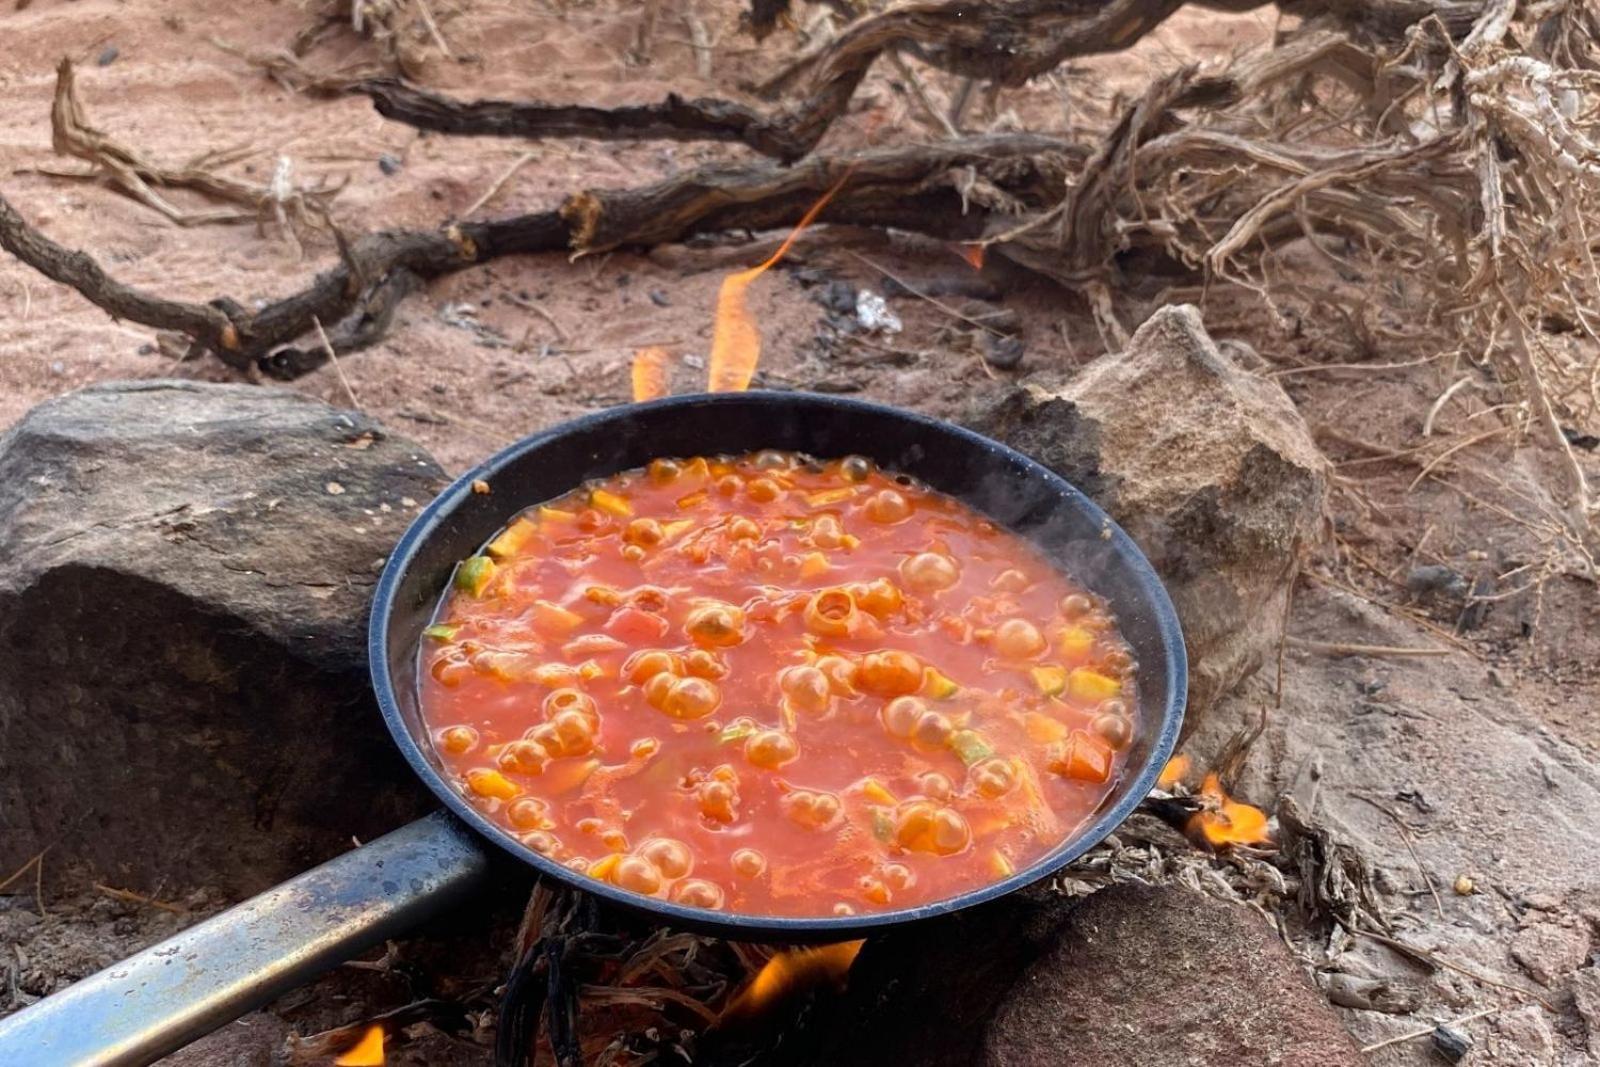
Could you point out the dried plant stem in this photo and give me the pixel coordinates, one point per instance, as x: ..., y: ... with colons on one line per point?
x: 1405, y: 836
x: 1412, y: 1035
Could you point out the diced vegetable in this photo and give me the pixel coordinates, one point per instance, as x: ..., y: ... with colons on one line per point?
x: 1090, y: 686
x: 813, y: 564
x: 441, y: 631
x: 874, y: 791
x: 612, y: 504
x: 936, y: 685
x: 553, y: 620
x: 737, y: 730
x: 473, y: 574
x: 1043, y: 728
x: 602, y: 868
x: 1083, y: 757
x: 1000, y: 865
x: 557, y: 516
x: 511, y: 539
x: 491, y: 783
x: 1051, y: 681
x: 1075, y: 643
x: 882, y: 825
x: 829, y: 497
x: 969, y: 746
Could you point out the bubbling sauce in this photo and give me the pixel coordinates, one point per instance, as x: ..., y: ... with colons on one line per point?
x: 776, y: 686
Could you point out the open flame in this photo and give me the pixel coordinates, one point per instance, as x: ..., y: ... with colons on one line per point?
x: 650, y: 373
x: 791, y: 971
x: 367, y: 1052
x: 1176, y: 770
x: 735, y: 339
x: 1225, y: 821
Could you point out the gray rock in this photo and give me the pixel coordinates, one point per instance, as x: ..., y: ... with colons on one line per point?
x: 1210, y: 469
x: 1550, y: 950
x: 184, y: 578
x: 1140, y: 974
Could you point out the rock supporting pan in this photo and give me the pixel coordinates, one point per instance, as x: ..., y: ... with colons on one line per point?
x: 170, y: 994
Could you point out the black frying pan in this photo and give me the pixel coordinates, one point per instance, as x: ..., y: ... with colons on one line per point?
x: 146, y: 1006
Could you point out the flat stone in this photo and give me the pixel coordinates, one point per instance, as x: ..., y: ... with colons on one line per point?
x: 183, y: 692
x: 1209, y: 468
x: 1139, y: 974
x: 1549, y: 950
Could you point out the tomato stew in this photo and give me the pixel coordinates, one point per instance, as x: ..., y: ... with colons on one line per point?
x: 776, y: 686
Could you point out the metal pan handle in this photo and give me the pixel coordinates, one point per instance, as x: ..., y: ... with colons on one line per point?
x: 137, y: 1011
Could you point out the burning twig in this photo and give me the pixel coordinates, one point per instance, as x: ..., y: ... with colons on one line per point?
x: 650, y: 373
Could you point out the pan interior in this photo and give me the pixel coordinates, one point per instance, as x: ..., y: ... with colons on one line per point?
x: 1013, y: 490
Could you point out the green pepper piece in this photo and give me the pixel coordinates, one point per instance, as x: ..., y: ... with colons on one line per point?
x: 441, y: 631
x: 970, y: 746
x: 473, y: 574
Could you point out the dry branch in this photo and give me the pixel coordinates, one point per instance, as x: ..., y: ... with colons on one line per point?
x: 138, y: 176
x: 908, y: 188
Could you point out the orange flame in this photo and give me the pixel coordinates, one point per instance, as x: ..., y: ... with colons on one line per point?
x: 650, y: 373
x: 1176, y: 770
x: 973, y: 254
x: 735, y: 340
x: 793, y: 970
x: 368, y: 1052
x: 1226, y: 821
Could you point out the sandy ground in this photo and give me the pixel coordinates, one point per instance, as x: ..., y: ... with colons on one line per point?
x: 1486, y: 752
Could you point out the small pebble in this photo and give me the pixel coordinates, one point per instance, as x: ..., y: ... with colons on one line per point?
x: 1002, y: 353
x: 659, y: 298
x: 480, y: 487
x: 108, y: 55
x: 389, y: 163
x: 1464, y: 886
x: 1450, y: 1043
x: 147, y: 349
x: 334, y: 489
x: 58, y: 367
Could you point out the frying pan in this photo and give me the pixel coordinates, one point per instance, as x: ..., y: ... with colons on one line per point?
x: 165, y: 997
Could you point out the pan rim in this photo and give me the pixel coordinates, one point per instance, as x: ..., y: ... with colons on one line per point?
x: 777, y: 927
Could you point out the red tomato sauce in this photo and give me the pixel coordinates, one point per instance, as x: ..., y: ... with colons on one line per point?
x: 776, y: 686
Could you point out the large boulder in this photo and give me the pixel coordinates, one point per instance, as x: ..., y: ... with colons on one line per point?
x: 1207, y: 466
x: 184, y: 578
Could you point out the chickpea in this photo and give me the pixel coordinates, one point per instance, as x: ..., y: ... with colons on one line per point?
x: 891, y: 673
x: 932, y: 730
x: 814, y: 810
x: 935, y: 785
x: 771, y: 749
x: 663, y: 471
x: 1114, y: 729
x: 930, y: 571
x: 528, y: 813
x: 691, y: 698
x: 698, y: 893
x: 645, y: 532
x: 950, y: 832
x: 1009, y: 581
x: 763, y: 490
x: 637, y: 874
x: 704, y: 664
x: 719, y: 801
x: 727, y: 485
x: 568, y: 699
x: 748, y: 863
x: 769, y: 459
x: 879, y: 597
x: 994, y: 777
x: 632, y: 553
x: 1018, y: 639
x: 855, y: 468
x: 925, y: 827
x: 901, y: 715
x: 523, y: 757
x: 672, y: 858
x: 544, y: 735
x: 642, y: 666
x: 742, y: 529
x: 657, y: 688
x: 898, y: 876
x: 1076, y: 604
x: 888, y: 507
x: 576, y: 732
x: 841, y: 673
x: 458, y: 740
x: 807, y: 688
x: 831, y: 612
x: 826, y: 532
x: 541, y: 842
x: 714, y: 624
